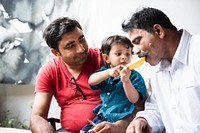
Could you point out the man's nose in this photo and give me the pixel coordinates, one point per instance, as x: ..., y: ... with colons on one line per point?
x: 80, y: 48
x: 136, y: 50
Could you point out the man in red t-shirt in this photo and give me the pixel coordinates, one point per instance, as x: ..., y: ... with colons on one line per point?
x: 66, y: 78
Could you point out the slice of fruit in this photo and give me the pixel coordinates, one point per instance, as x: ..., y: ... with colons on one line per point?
x: 136, y: 63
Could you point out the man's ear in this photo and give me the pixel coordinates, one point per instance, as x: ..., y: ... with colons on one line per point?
x: 105, y: 58
x: 55, y: 52
x: 158, y: 30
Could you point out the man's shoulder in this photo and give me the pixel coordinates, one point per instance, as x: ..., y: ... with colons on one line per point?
x: 52, y: 64
x: 94, y: 54
x: 94, y: 51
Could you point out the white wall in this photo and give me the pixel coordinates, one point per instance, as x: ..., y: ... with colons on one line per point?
x: 103, y: 18
x: 18, y: 99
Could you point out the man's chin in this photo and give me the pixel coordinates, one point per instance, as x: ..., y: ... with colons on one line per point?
x: 82, y: 60
x: 153, y: 63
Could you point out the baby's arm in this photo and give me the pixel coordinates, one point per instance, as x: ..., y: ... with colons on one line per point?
x: 131, y: 93
x: 98, y: 77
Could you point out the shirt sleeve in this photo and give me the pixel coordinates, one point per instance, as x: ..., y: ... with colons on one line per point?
x: 152, y: 115
x: 99, y: 86
x: 44, y: 81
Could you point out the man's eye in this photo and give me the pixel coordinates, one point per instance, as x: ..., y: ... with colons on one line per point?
x: 136, y: 40
x: 82, y: 40
x: 69, y: 46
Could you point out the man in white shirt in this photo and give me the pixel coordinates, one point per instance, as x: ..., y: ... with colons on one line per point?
x: 174, y: 104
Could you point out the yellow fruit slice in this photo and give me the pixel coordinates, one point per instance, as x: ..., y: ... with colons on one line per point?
x: 136, y: 64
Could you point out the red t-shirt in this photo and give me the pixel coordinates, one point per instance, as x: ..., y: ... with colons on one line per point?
x: 55, y: 78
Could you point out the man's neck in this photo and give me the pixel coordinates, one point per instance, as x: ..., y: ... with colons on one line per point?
x: 74, y: 70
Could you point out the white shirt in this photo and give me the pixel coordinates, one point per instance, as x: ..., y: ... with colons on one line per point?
x: 174, y: 105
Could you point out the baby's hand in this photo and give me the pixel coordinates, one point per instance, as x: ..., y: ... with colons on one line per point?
x: 115, y: 71
x: 125, y: 73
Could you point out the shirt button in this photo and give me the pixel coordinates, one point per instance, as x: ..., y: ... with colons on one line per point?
x: 108, y: 93
x: 105, y: 105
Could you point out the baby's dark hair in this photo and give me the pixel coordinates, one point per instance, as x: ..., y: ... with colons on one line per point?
x: 112, y: 40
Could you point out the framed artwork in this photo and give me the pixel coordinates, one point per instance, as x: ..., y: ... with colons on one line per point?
x: 22, y: 48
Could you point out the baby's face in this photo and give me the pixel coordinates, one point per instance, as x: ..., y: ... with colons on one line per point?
x: 119, y: 55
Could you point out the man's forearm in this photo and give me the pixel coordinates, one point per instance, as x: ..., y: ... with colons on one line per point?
x: 125, y: 122
x: 40, y: 125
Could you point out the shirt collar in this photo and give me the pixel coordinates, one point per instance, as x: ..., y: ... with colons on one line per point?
x: 181, y: 53
x: 183, y: 47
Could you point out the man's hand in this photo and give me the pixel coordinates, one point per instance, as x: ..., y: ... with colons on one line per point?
x: 139, y: 125
x: 107, y: 127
